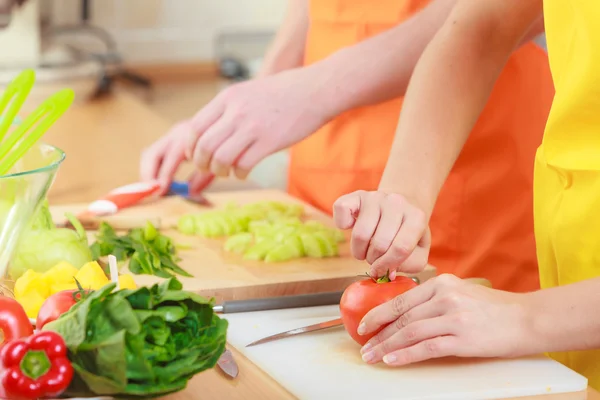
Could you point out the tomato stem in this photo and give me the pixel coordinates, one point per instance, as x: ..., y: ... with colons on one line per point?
x: 383, y: 279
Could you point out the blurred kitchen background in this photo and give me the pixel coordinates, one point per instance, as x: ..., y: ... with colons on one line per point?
x: 174, y: 54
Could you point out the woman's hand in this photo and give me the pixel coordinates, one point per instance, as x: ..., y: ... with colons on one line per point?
x: 251, y: 120
x: 387, y: 231
x: 447, y: 316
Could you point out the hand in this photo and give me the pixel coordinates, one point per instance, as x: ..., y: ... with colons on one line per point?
x: 251, y: 120
x: 447, y: 316
x: 387, y: 231
x: 161, y: 160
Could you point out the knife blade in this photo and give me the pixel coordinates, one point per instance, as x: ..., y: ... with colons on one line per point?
x: 280, y: 302
x: 227, y: 364
x: 293, y: 332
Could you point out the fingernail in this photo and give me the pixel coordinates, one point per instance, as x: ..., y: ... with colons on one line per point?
x: 366, y: 348
x: 362, y: 329
x: 392, y: 275
x: 367, y: 357
x: 389, y: 359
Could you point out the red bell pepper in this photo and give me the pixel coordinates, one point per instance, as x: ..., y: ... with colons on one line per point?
x: 14, y: 323
x: 35, y: 367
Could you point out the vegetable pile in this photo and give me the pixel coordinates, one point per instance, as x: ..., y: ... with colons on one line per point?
x: 265, y: 231
x: 146, y: 342
x: 33, y: 288
x: 148, y: 251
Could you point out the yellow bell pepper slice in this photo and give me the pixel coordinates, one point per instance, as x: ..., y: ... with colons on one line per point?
x: 91, y: 276
x: 31, y: 281
x: 126, y: 282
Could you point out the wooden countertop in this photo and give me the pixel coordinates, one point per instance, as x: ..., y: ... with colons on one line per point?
x: 103, y: 140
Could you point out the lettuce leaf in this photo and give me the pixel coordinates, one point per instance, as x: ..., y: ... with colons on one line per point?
x: 146, y: 342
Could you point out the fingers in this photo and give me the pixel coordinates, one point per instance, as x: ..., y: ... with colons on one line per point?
x: 426, y: 310
x: 345, y: 210
x: 389, y: 223
x: 210, y: 141
x: 230, y: 151
x: 404, y: 245
x: 151, y: 161
x: 199, y: 181
x: 252, y: 156
x: 365, y: 226
x: 411, y: 335
x: 203, y: 119
x: 436, y: 347
x: 395, y: 308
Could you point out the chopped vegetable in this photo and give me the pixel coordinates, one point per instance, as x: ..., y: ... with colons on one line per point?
x: 267, y: 231
x: 91, y: 276
x: 146, y: 342
x: 35, y: 367
x: 33, y: 289
x: 126, y: 282
x: 61, y: 273
x: 43, y: 246
x: 14, y: 323
x: 148, y: 251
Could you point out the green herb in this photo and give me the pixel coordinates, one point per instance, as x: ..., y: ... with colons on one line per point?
x: 149, y: 252
x: 146, y: 342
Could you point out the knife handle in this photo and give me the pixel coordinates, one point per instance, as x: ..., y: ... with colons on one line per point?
x: 276, y: 303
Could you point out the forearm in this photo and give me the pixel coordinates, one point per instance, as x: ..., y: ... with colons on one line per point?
x: 379, y: 69
x: 287, y: 49
x: 448, y: 90
x: 563, y: 318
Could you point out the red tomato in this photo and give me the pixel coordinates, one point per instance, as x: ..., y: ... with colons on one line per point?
x: 54, y: 306
x: 361, y: 297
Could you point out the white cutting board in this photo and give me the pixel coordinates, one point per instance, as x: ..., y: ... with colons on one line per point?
x: 326, y: 365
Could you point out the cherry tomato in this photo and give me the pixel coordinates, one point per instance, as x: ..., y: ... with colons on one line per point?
x: 361, y: 297
x: 56, y: 305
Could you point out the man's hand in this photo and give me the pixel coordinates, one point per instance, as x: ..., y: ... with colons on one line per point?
x: 161, y: 160
x: 387, y: 231
x: 251, y: 120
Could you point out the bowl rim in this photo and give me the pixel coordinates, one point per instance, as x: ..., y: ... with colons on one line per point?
x: 52, y: 166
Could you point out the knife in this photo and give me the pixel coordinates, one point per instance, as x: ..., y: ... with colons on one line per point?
x: 338, y: 321
x: 298, y: 331
x: 227, y: 364
x: 277, y: 303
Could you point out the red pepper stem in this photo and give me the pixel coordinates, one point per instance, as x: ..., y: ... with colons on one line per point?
x: 35, y: 364
x: 383, y: 279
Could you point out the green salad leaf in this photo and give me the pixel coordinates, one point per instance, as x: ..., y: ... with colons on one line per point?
x: 149, y: 252
x: 146, y: 342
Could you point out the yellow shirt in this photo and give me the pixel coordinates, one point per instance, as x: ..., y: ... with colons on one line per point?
x: 567, y: 168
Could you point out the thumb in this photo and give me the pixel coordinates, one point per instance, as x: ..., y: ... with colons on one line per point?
x: 346, y: 209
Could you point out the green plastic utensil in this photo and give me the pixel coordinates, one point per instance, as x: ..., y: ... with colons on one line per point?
x: 18, y: 89
x: 17, y: 143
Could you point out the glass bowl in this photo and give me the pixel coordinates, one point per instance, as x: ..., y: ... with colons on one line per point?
x: 22, y: 191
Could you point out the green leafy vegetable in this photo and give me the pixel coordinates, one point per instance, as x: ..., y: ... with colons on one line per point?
x: 149, y: 252
x: 146, y: 342
x: 43, y: 245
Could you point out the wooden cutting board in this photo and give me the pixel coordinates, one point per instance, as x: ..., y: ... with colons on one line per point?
x: 226, y: 276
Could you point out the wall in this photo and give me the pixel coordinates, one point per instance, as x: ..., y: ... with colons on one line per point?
x: 158, y: 31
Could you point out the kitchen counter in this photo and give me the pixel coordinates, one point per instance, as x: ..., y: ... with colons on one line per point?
x: 103, y: 140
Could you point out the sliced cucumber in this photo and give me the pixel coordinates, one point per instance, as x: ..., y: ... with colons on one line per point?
x: 186, y: 225
x: 259, y: 250
x: 283, y: 252
x: 239, y: 243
